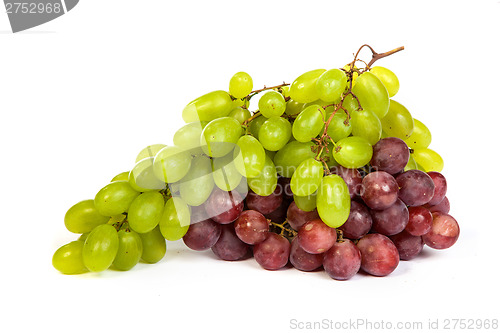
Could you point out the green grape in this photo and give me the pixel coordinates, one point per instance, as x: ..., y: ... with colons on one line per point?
x: 372, y: 94
x: 307, y: 178
x: 244, y: 103
x: 171, y: 164
x: 428, y: 159
x: 308, y: 123
x: 307, y: 203
x: 120, y: 176
x: 188, y: 137
x: 331, y: 84
x: 351, y: 104
x: 411, y: 165
x: 388, y: 78
x: 327, y: 156
x: 115, y: 198
x: 220, y: 136
x: 353, y: 152
x: 240, y: 114
x: 68, y: 258
x: 272, y: 104
x: 420, y: 137
x: 240, y: 85
x: 303, y: 89
x: 256, y: 124
x: 145, y: 211
x: 129, y: 250
x: 367, y: 125
x: 83, y: 217
x: 225, y: 174
x: 249, y: 157
x: 175, y: 220
x: 149, y: 151
x: 154, y: 246
x: 265, y: 183
x: 142, y: 177
x: 100, y: 248
x: 294, y: 107
x: 196, y: 186
x: 208, y: 107
x: 275, y: 133
x: 288, y: 158
x: 333, y: 201
x: 398, y: 122
x: 339, y: 126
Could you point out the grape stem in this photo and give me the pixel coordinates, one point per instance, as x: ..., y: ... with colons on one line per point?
x: 255, y: 92
x: 284, y: 231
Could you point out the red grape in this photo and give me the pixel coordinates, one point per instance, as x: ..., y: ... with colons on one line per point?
x: 358, y: 223
x: 202, y: 235
x: 343, y: 260
x: 229, y: 246
x: 444, y: 232
x: 303, y: 260
x: 266, y: 204
x: 297, y: 217
x: 224, y: 207
x: 416, y: 187
x: 408, y: 246
x: 392, y: 220
x: 440, y: 187
x: 419, y: 222
x: 316, y: 237
x: 379, y: 255
x: 379, y: 190
x: 251, y: 227
x: 390, y: 155
x: 273, y: 252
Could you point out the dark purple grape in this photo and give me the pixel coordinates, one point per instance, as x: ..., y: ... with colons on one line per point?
x: 284, y: 185
x: 444, y: 232
x: 390, y: 155
x: 316, y: 237
x: 352, y: 178
x: 416, y: 187
x: 251, y: 227
x: 303, y: 260
x: 279, y: 214
x: 202, y: 235
x: 379, y: 190
x: 440, y: 187
x: 408, y: 246
x: 392, y: 220
x: 358, y: 223
x: 224, y: 207
x: 229, y: 246
x: 343, y: 260
x: 273, y: 252
x: 297, y: 217
x: 379, y: 255
x: 442, y: 207
x: 266, y: 204
x: 419, y: 222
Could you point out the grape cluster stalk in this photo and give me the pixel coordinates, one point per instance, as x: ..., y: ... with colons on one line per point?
x: 327, y: 173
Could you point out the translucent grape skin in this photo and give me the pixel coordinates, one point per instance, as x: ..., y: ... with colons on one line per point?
x: 224, y: 207
x: 272, y: 104
x: 379, y: 255
x: 316, y: 237
x: 398, y: 122
x: 251, y: 227
x: 202, y: 235
x: 358, y: 223
x: 264, y: 204
x: 83, y: 217
x: 115, y: 198
x: 303, y: 260
x: 391, y: 220
x: 353, y: 152
x: 249, y: 157
x: 240, y: 85
x: 288, y: 158
x: 419, y: 221
x: 273, y: 252
x: 275, y: 133
x: 408, y: 246
x: 388, y: 78
x: 219, y: 137
x: 416, y: 188
x: 428, y: 159
x: 197, y: 185
x: 303, y: 88
x: 210, y: 106
x: 154, y: 246
x: 444, y: 232
x: 145, y: 211
x: 352, y: 178
x: 372, y: 94
x: 68, y: 258
x: 176, y: 218
x: 333, y: 201
x: 100, y: 248
x: 390, y: 155
x: 367, y: 125
x: 343, y: 260
x: 267, y: 181
x: 229, y: 247
x: 331, y: 84
x: 297, y: 217
x: 308, y: 123
x: 420, y: 137
x: 440, y: 187
x: 307, y: 178
x: 129, y: 250
x: 379, y: 190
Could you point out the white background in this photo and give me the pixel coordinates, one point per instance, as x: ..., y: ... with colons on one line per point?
x: 81, y: 95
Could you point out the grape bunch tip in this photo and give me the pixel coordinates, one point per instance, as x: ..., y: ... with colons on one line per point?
x: 327, y: 172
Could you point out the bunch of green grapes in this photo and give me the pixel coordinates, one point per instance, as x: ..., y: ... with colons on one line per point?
x: 299, y: 131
